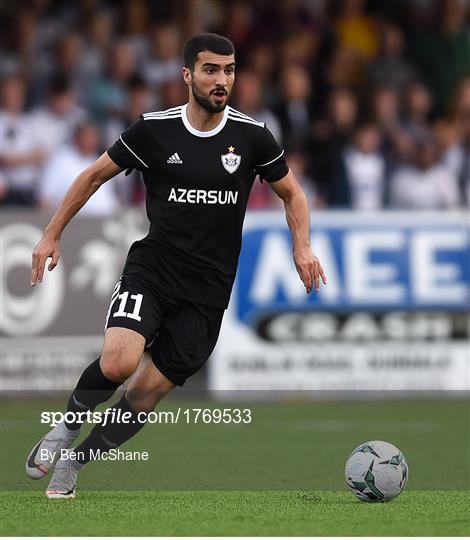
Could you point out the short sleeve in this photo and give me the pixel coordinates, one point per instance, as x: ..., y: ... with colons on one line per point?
x: 129, y: 150
x: 270, y: 161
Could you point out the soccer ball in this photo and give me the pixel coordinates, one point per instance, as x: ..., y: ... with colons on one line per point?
x: 376, y: 471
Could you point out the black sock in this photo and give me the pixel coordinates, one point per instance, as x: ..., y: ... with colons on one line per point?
x: 111, y: 435
x: 92, y: 389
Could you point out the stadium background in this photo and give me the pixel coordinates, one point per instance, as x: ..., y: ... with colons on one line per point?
x: 371, y: 100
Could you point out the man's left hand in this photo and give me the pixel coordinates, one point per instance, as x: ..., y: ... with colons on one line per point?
x: 309, y: 268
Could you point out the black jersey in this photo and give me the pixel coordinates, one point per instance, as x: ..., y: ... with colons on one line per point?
x: 198, y: 183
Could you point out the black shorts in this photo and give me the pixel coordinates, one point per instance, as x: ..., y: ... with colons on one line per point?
x: 179, y: 334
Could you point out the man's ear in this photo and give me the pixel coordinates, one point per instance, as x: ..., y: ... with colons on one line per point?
x: 187, y: 76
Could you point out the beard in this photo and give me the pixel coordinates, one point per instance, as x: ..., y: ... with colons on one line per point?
x: 205, y: 102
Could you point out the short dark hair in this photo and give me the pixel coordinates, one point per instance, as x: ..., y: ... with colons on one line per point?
x: 205, y: 42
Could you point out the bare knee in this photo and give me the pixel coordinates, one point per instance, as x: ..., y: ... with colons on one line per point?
x: 121, y: 354
x: 116, y: 367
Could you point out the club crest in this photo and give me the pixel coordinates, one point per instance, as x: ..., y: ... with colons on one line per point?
x: 231, y: 161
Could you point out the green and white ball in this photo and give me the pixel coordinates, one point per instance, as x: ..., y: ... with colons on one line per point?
x: 376, y: 471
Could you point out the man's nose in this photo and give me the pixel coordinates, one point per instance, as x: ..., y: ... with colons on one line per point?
x: 221, y: 79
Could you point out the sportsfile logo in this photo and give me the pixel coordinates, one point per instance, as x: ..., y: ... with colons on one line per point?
x: 201, y: 196
x: 179, y: 415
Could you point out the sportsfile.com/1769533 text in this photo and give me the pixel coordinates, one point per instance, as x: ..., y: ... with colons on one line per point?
x: 179, y: 415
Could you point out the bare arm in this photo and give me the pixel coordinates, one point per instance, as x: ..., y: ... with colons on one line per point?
x: 298, y: 219
x: 83, y: 187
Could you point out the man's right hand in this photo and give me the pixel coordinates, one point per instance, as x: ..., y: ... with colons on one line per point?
x: 82, y: 188
x: 46, y: 248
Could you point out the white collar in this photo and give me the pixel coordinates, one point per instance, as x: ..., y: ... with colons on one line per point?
x: 219, y: 127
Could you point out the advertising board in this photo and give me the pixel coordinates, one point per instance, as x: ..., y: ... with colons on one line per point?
x: 393, y: 316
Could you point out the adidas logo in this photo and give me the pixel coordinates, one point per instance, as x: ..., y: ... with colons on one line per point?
x: 175, y: 159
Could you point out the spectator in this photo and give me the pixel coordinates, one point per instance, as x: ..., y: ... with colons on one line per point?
x: 238, y: 26
x: 298, y: 163
x: 360, y: 180
x: 397, y: 144
x: 173, y: 93
x: 98, y: 38
x: 66, y: 164
x: 460, y: 110
x: 460, y: 105
x: 343, y: 68
x: 460, y: 115
x: 418, y: 105
x: 356, y: 30
x: 262, y: 61
x: 57, y: 120
x: 107, y: 95
x: 331, y: 134
x: 389, y: 68
x: 262, y: 195
x: 21, y: 153
x: 295, y: 110
x: 299, y: 48
x: 249, y: 100
x: 140, y: 99
x: 464, y: 176
x: 64, y: 60
x: 162, y: 61
x: 20, y: 46
x: 275, y: 19
x: 424, y: 184
x: 134, y: 24
x: 443, y: 52
x: 315, y: 65
x: 450, y: 145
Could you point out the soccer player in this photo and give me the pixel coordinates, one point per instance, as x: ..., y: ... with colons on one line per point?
x: 199, y: 162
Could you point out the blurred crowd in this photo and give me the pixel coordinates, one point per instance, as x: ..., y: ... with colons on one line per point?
x: 370, y: 99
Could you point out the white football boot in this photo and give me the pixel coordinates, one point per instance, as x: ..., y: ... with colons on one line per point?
x: 46, y: 452
x: 64, y: 479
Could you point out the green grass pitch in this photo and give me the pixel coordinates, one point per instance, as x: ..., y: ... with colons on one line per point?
x: 280, y: 475
x: 235, y: 513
